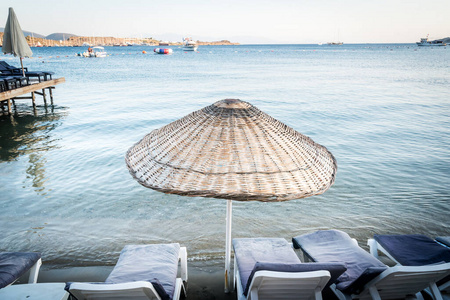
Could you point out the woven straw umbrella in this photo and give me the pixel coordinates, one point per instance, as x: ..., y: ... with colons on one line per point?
x: 231, y: 150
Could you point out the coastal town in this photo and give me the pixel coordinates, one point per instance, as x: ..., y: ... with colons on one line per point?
x: 78, y: 41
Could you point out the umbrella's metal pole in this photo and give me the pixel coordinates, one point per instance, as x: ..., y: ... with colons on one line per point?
x: 228, y: 248
x: 23, y: 70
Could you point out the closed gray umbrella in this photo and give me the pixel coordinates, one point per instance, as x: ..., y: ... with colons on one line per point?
x: 14, y: 41
x: 231, y: 150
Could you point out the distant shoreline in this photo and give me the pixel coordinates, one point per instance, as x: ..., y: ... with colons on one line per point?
x: 79, y: 41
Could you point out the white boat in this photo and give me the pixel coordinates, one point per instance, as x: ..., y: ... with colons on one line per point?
x: 99, y: 51
x: 426, y: 42
x: 189, y: 44
x: 96, y: 52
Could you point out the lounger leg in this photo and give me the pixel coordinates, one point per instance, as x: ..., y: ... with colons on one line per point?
x: 318, y: 294
x: 34, y: 271
x: 339, y: 294
x: 374, y: 293
x: 418, y: 296
x: 253, y: 294
x: 435, y: 291
x: 444, y: 286
x: 179, y: 286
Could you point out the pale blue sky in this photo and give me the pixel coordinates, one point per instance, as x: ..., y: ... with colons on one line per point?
x: 277, y: 21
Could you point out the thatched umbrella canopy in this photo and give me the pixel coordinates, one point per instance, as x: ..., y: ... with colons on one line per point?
x: 231, y: 150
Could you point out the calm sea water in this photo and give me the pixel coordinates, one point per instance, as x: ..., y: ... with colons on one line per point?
x: 382, y: 110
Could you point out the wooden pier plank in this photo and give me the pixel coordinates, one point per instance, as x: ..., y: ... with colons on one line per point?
x: 30, y: 88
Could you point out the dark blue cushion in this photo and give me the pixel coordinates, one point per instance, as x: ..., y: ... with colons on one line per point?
x: 327, y: 246
x: 335, y: 269
x: 15, y: 264
x: 413, y: 249
x: 249, y: 251
x: 146, y: 262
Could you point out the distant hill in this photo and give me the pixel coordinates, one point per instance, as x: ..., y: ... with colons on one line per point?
x: 445, y: 40
x: 53, y: 36
x: 59, y: 36
x: 28, y: 33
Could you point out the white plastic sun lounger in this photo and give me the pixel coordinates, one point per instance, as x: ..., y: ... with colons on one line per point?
x: 142, y: 272
x: 268, y: 268
x: 15, y: 264
x: 412, y: 250
x: 366, y: 277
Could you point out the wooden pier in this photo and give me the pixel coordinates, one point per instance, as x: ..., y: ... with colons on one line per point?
x: 36, y: 88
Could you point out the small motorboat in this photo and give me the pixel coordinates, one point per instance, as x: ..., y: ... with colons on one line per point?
x: 189, y: 44
x: 95, y: 52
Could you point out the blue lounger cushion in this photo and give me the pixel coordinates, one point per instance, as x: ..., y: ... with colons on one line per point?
x: 413, y: 249
x: 154, y: 263
x: 444, y: 240
x: 335, y: 269
x: 15, y: 264
x: 249, y: 251
x: 327, y: 246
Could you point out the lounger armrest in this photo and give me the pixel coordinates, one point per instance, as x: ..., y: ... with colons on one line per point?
x: 34, y: 271
x: 183, y: 261
x: 83, y: 290
x: 374, y: 247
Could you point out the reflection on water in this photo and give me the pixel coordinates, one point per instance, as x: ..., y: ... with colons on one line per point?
x: 36, y: 171
x: 28, y: 132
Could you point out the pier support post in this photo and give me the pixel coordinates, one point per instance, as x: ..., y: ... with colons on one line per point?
x: 33, y: 99
x: 9, y: 106
x: 44, y: 96
x: 51, y: 94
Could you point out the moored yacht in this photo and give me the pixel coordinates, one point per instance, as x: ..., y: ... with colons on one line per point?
x: 426, y: 42
x: 189, y: 44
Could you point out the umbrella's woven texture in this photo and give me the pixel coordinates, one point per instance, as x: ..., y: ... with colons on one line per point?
x: 231, y: 150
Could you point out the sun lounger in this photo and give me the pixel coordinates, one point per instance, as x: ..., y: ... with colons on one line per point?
x: 15, y: 264
x: 268, y: 268
x: 7, y: 69
x: 14, y: 81
x: 41, y: 291
x: 412, y: 250
x: 367, y: 277
x: 142, y: 272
